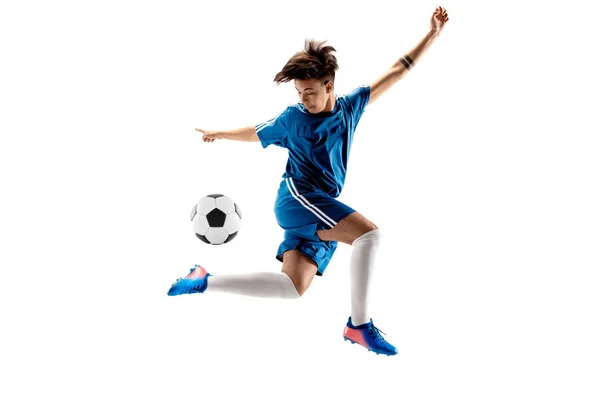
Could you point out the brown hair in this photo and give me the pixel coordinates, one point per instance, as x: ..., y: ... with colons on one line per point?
x: 315, y: 61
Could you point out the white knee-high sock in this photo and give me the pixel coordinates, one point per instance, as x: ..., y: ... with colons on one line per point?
x: 259, y: 284
x: 362, y: 263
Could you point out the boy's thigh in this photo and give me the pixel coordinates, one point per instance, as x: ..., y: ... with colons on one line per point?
x: 348, y: 229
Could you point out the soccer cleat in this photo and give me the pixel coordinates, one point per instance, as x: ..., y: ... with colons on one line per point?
x: 195, y: 282
x: 368, y: 336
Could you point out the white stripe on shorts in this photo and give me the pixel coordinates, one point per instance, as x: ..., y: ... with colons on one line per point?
x: 310, y: 207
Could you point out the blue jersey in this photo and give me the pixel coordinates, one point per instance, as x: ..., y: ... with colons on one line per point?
x: 318, y: 144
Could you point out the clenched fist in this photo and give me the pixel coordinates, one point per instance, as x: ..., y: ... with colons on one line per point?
x: 439, y: 19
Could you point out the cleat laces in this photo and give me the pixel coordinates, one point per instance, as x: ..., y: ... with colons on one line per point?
x: 376, y: 332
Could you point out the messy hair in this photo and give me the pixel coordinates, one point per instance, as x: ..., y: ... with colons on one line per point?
x: 315, y: 61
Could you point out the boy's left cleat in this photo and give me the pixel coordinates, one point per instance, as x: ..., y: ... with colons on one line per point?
x: 368, y: 336
x: 194, y: 282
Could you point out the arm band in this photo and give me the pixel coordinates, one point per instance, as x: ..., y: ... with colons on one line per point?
x: 407, y: 62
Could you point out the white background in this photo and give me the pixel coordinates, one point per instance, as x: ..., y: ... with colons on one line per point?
x: 480, y: 167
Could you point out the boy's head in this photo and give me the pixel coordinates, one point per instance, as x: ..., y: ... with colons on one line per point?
x: 313, y: 72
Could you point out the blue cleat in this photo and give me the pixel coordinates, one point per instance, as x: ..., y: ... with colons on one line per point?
x: 195, y: 282
x: 368, y: 336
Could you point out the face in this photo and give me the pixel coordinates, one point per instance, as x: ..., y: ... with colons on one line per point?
x: 314, y: 94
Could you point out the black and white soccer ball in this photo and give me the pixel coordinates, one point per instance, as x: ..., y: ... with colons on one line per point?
x: 216, y: 219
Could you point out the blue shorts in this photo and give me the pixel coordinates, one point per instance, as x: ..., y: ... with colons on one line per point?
x: 301, y: 210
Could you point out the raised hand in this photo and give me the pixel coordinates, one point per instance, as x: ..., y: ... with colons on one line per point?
x: 439, y: 19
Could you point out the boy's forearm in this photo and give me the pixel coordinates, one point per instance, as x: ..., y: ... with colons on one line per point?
x: 422, y: 46
x: 403, y: 65
x: 246, y: 134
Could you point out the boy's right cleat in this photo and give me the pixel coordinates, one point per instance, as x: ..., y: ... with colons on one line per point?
x: 195, y: 282
x: 368, y: 336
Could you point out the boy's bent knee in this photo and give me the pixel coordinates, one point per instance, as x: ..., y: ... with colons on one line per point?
x: 290, y: 291
x: 300, y: 283
x: 373, y: 237
x: 300, y: 269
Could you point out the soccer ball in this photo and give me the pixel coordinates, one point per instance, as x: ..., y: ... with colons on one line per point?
x: 216, y: 219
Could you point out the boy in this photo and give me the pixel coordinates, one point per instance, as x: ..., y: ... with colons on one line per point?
x: 318, y: 133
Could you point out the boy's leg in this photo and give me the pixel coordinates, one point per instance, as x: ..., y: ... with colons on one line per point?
x: 297, y: 273
x: 362, y: 263
x: 364, y: 237
x: 296, y: 276
x: 257, y: 284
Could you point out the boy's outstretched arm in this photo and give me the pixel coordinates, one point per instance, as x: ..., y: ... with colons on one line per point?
x: 406, y: 62
x: 246, y: 134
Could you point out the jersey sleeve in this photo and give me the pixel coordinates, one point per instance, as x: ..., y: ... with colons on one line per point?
x: 275, y: 131
x: 358, y: 100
